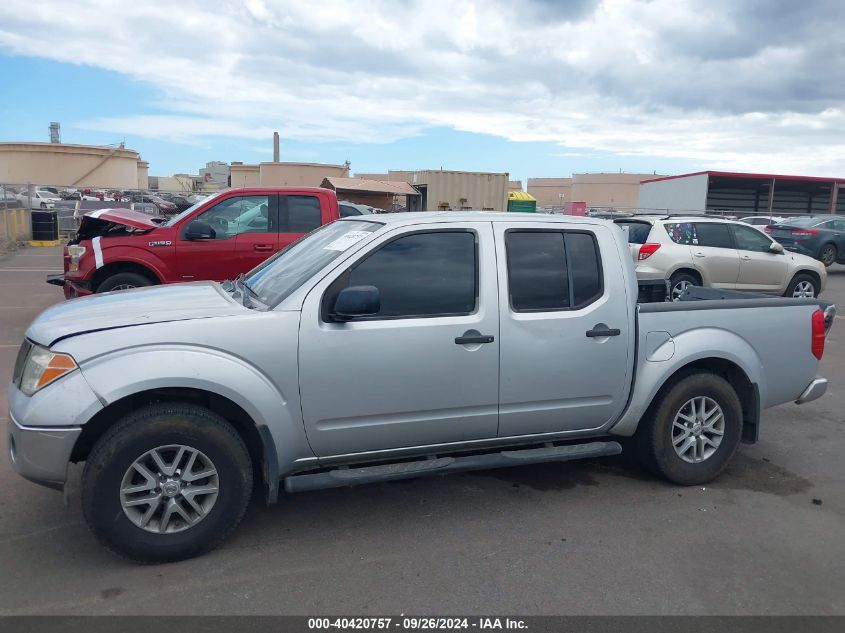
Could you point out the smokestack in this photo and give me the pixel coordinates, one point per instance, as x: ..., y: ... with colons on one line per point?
x: 275, y: 147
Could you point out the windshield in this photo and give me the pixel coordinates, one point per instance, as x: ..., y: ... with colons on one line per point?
x: 176, y: 218
x: 287, y: 270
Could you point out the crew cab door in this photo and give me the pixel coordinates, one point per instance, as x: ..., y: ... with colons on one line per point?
x: 566, y: 346
x: 300, y: 214
x: 418, y: 372
x: 759, y: 268
x: 227, y: 254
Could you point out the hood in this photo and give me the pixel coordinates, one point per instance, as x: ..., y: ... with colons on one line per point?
x: 128, y: 308
x: 126, y: 217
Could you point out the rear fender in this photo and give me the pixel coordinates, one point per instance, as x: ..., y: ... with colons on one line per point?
x: 130, y: 371
x: 689, y: 347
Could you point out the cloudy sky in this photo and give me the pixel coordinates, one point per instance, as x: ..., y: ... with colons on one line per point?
x: 532, y: 87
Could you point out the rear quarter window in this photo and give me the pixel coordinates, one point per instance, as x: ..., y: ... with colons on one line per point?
x: 681, y: 232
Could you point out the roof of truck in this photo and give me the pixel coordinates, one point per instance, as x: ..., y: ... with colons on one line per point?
x: 415, y: 217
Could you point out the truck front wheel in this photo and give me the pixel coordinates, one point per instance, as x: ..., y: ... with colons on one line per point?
x: 691, y: 432
x: 123, y: 281
x: 167, y: 482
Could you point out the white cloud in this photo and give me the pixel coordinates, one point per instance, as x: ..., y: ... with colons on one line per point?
x: 748, y: 86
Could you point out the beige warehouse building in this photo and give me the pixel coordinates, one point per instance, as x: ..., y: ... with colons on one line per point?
x: 442, y: 190
x: 616, y: 190
x: 284, y: 174
x: 66, y: 165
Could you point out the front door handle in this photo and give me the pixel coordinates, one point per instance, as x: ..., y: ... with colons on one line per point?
x: 262, y: 248
x: 473, y: 337
x: 600, y: 330
x: 746, y: 257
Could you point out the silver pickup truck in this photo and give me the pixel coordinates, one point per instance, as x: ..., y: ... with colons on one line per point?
x: 390, y: 347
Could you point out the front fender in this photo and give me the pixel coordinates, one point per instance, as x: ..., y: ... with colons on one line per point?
x: 136, y: 255
x: 135, y: 370
x: 689, y: 347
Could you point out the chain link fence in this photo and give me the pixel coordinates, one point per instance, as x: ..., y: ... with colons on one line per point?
x: 57, y: 210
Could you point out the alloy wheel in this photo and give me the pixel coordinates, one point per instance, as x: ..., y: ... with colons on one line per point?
x: 169, y: 489
x: 697, y: 429
x: 678, y: 289
x: 803, y: 290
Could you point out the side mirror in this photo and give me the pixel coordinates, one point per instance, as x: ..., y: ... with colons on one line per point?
x: 356, y: 301
x: 776, y: 247
x: 199, y: 231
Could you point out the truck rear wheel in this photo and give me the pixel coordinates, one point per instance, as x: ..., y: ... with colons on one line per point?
x: 692, y: 431
x: 167, y: 482
x: 123, y: 281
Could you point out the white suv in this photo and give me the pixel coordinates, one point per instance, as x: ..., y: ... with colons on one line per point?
x: 705, y: 251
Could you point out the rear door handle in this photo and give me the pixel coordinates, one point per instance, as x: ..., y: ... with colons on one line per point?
x: 699, y: 254
x: 746, y: 257
x: 601, y: 330
x: 262, y: 248
x: 473, y: 337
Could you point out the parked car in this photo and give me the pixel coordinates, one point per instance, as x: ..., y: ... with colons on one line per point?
x: 706, y: 251
x: 181, y: 202
x: 218, y: 238
x: 350, y: 209
x: 40, y: 200
x: 387, y: 347
x: 819, y: 236
x: 164, y: 207
x: 761, y: 221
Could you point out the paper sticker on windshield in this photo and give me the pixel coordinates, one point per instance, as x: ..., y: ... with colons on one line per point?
x: 346, y: 240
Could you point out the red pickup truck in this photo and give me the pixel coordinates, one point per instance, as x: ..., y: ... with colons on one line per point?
x: 218, y: 238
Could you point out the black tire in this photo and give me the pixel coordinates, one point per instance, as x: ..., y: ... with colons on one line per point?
x: 802, y: 278
x: 124, y: 281
x: 679, y: 278
x: 654, y: 435
x: 828, y: 254
x: 43, y: 206
x: 148, y: 428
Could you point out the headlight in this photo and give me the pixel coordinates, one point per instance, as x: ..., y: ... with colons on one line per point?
x: 43, y: 367
x: 76, y: 252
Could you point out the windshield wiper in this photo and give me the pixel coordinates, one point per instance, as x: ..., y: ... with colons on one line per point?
x: 240, y: 282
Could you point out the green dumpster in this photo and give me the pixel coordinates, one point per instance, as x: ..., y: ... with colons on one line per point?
x: 521, y: 202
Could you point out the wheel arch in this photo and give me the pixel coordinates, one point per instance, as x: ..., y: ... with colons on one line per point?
x: 741, y: 367
x: 123, y: 266
x: 260, y: 444
x: 747, y: 391
x: 689, y: 270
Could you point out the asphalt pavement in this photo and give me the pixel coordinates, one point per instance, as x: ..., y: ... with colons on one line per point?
x: 591, y: 537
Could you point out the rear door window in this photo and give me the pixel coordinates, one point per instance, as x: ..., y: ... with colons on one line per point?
x: 299, y: 214
x: 552, y: 270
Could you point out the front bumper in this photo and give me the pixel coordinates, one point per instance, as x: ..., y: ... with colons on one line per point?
x: 44, y: 427
x: 41, y: 454
x: 71, y: 287
x: 814, y: 390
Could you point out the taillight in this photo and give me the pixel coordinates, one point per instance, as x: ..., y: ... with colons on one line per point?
x: 805, y: 233
x: 647, y: 250
x: 817, y: 343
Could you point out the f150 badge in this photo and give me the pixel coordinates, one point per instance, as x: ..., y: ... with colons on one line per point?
x: 161, y: 243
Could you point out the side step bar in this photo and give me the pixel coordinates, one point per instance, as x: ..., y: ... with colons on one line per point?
x: 441, y: 465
